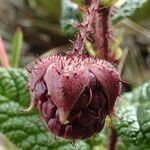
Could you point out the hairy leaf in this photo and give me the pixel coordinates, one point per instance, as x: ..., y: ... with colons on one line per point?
x: 133, y: 124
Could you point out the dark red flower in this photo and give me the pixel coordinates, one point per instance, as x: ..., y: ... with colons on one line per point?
x: 74, y: 94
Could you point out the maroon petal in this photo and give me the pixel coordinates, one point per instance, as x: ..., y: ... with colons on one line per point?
x: 108, y: 78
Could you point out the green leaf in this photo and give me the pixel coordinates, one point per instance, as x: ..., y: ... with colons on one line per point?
x: 142, y: 13
x: 130, y: 146
x: 16, y: 47
x: 70, y: 16
x: 127, y: 9
x: 133, y: 124
x: 23, y: 129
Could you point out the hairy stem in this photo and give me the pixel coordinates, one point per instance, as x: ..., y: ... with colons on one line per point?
x: 85, y: 28
x: 101, y: 32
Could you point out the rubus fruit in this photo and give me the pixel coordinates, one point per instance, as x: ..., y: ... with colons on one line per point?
x: 74, y: 94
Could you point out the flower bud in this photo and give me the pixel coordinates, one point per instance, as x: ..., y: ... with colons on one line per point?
x: 74, y: 95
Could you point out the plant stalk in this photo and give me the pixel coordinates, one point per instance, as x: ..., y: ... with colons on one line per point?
x: 113, y: 139
x: 85, y: 28
x: 101, y: 33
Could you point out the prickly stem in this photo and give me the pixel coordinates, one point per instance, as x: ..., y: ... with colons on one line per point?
x: 101, y: 32
x: 85, y: 28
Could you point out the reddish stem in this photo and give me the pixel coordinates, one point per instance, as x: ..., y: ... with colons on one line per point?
x: 101, y: 32
x: 113, y: 140
x: 85, y: 28
x: 3, y: 55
